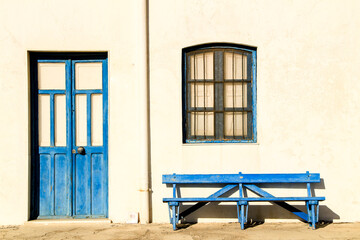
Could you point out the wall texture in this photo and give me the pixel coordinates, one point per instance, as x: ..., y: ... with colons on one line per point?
x: 307, y: 90
x: 68, y: 26
x: 307, y: 96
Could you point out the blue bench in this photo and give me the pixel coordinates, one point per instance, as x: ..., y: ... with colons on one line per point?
x: 242, y: 183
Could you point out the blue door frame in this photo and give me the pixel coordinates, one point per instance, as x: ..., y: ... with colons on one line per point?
x: 65, y: 183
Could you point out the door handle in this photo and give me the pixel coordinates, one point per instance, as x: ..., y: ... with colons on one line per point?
x: 81, y: 150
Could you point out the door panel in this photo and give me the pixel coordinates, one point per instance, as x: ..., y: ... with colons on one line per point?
x: 53, y: 82
x: 71, y: 113
x: 62, y: 185
x: 46, y: 185
x: 89, y: 79
x: 99, y: 189
x: 82, y: 202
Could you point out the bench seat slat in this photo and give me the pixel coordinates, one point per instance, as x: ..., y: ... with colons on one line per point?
x: 240, y: 178
x: 261, y: 199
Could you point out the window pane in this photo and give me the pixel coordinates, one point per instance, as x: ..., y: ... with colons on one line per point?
x: 202, y: 124
x: 209, y: 65
x: 235, y: 124
x: 80, y: 119
x: 96, y: 120
x: 60, y: 120
x: 202, y: 95
x: 88, y: 75
x: 235, y: 95
x: 235, y: 66
x: 203, y: 66
x: 51, y: 75
x: 44, y: 120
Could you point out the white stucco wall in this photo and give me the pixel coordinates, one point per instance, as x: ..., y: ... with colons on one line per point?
x: 68, y: 26
x: 307, y: 91
x: 307, y: 81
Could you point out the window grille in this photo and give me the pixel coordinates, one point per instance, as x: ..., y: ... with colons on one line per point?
x: 219, y: 90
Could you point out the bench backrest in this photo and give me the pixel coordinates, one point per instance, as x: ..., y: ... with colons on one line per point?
x: 241, y: 178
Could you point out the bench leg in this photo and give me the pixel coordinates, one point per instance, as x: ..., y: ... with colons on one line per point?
x: 174, y: 213
x: 308, y: 211
x: 242, y: 215
x: 313, y: 222
x: 317, y: 213
x: 313, y: 213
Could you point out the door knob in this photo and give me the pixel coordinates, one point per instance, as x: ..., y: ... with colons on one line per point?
x: 81, y: 150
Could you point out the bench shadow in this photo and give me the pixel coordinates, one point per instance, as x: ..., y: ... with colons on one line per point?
x: 258, y: 212
x: 185, y: 225
x: 251, y: 223
x: 323, y: 224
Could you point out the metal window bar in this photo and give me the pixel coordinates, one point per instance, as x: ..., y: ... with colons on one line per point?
x: 195, y: 102
x: 233, y: 91
x: 243, y: 97
x: 204, y: 69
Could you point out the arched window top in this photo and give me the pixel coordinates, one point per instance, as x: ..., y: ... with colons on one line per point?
x: 219, y: 45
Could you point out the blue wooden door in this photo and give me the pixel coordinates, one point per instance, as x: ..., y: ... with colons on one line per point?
x: 72, y: 139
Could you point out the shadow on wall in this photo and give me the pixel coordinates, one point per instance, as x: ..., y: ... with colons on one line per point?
x: 258, y: 212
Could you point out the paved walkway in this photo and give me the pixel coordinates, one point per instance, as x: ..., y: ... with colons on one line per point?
x: 199, y: 231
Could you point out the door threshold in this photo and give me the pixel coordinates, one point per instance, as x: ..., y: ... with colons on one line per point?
x: 68, y: 221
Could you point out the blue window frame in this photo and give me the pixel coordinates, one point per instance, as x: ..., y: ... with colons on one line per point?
x: 219, y: 94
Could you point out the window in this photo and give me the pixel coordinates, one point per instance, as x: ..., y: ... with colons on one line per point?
x: 219, y: 94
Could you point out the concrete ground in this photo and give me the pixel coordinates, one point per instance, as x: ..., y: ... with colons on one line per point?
x: 217, y: 231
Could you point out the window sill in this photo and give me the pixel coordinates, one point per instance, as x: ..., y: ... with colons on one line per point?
x: 209, y: 142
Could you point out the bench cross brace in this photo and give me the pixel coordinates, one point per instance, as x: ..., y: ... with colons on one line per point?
x: 312, y: 217
x: 201, y: 204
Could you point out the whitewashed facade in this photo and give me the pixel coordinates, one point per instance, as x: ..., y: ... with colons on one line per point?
x: 307, y: 111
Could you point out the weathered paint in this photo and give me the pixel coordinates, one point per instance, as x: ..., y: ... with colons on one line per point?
x: 72, y: 185
x: 242, y: 178
x: 242, y: 201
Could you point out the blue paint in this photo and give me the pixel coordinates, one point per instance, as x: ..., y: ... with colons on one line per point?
x: 99, y: 189
x: 82, y: 185
x: 88, y: 118
x: 50, y: 61
x: 70, y: 185
x: 105, y: 135
x: 46, y: 185
x: 91, y: 187
x: 52, y: 121
x: 52, y: 91
x: 87, y: 91
x: 62, y: 185
x: 254, y: 95
x: 242, y: 181
x: 250, y: 199
x: 52, y: 150
x: 241, y: 178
